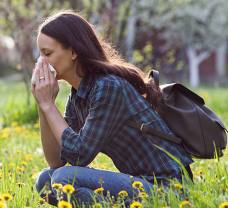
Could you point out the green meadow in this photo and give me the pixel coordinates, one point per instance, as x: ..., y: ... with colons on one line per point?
x: 21, y: 157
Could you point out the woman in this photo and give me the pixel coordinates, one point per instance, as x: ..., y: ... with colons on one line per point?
x: 107, y: 94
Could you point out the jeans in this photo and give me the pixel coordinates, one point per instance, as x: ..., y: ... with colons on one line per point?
x: 85, y: 180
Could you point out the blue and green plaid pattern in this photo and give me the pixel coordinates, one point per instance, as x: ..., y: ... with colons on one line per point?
x: 98, y: 114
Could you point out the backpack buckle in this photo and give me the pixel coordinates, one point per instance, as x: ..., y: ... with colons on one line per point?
x: 141, y: 127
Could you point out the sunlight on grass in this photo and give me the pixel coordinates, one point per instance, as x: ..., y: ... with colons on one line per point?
x: 22, y: 159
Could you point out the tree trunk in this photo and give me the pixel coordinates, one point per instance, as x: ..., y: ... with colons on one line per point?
x: 121, y: 26
x: 131, y: 30
x: 221, y: 60
x: 193, y: 69
x: 194, y: 62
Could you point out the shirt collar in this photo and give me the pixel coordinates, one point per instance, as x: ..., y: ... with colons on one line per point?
x: 84, y: 88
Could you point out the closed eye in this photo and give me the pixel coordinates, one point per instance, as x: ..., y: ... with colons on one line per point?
x: 46, y: 52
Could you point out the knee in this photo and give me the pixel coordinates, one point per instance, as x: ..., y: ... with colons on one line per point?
x: 43, y: 178
x: 60, y: 175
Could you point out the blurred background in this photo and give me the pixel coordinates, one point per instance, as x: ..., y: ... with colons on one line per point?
x: 186, y: 40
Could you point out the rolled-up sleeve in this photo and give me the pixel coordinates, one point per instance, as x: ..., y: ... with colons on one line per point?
x: 105, y: 118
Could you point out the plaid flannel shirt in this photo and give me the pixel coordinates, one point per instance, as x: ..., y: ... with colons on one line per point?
x: 98, y: 114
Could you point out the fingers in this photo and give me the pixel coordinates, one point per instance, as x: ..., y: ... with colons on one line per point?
x: 42, y: 76
x: 45, y: 70
x: 37, y: 76
x: 33, y: 79
x: 43, y: 73
x: 48, y: 71
x: 41, y: 70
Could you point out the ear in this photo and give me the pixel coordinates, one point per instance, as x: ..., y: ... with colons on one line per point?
x: 74, y: 55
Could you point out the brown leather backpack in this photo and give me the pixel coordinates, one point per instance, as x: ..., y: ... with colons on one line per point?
x: 196, y: 127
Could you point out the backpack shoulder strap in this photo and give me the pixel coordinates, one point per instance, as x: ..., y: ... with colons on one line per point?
x: 149, y: 130
x: 155, y: 75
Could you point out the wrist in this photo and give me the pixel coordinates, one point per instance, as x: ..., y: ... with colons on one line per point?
x: 47, y: 107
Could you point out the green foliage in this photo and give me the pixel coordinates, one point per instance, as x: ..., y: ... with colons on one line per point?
x: 144, y: 57
x: 171, y: 62
x: 198, y: 22
x: 216, y: 99
x: 21, y: 114
x: 14, y: 108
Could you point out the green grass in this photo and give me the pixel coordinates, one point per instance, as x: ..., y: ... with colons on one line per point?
x: 22, y: 158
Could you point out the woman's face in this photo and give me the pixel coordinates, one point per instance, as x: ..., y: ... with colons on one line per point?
x: 62, y: 59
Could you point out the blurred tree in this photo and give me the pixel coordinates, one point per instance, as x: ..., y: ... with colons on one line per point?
x: 19, y: 19
x: 219, y: 25
x: 199, y: 26
x: 131, y: 29
x: 111, y: 18
x: 195, y: 25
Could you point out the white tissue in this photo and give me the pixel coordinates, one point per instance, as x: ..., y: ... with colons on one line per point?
x: 39, y: 61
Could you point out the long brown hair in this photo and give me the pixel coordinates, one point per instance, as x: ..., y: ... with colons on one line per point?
x: 94, y: 55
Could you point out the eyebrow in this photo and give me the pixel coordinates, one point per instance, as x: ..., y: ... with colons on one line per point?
x: 44, y: 49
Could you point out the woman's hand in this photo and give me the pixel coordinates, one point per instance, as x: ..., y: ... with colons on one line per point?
x: 46, y: 87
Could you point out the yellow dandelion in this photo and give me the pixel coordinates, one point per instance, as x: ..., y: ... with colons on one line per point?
x: 34, y: 175
x: 1, y: 199
x: 198, y: 173
x: 64, y: 204
x: 42, y: 201
x: 20, y: 169
x: 24, y: 164
x: 141, y: 189
x: 57, y: 186
x: 185, y: 204
x: 7, y: 197
x: 99, y: 190
x: 20, y: 184
x: 97, y: 205
x: 136, y: 205
x: 11, y: 165
x: 18, y: 129
x: 3, y: 205
x: 159, y: 190
x: 68, y: 189
x: 28, y: 157
x: 223, y: 205
x: 123, y: 194
x: 10, y: 174
x: 178, y: 186
x: 5, y: 133
x: 14, y: 124
x: 143, y: 195
x: 137, y: 184
x: 36, y: 125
